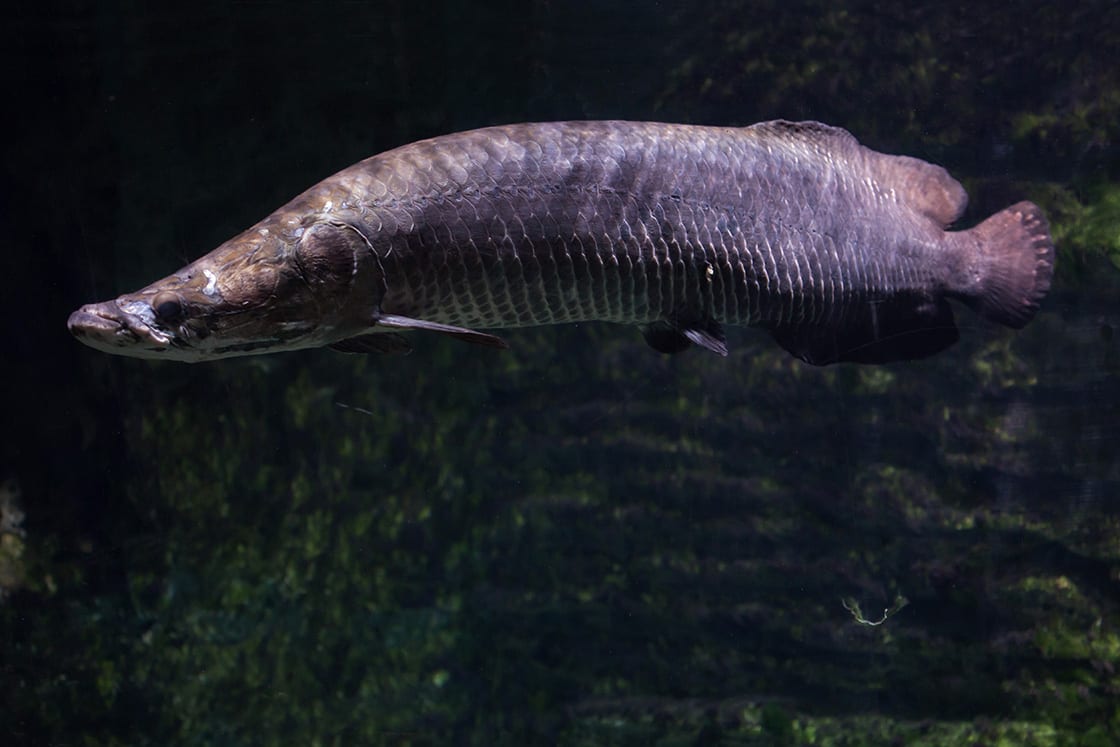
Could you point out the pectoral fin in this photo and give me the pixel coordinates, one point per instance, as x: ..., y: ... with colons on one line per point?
x: 461, y: 333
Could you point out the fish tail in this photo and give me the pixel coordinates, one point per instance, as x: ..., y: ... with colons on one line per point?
x: 1014, y: 265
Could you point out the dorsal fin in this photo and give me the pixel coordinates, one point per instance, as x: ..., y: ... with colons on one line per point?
x: 921, y: 186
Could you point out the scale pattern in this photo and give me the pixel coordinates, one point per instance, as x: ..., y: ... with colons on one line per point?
x: 777, y: 223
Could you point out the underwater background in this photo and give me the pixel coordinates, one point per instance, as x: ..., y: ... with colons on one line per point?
x: 578, y: 541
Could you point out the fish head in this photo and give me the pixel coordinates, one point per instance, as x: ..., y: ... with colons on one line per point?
x: 274, y: 287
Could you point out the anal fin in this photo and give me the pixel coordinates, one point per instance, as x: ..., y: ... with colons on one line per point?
x: 894, y: 329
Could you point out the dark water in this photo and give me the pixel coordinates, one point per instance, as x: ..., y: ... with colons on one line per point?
x: 578, y: 541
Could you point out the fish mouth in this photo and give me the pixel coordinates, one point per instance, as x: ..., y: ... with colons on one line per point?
x: 127, y: 327
x: 107, y: 327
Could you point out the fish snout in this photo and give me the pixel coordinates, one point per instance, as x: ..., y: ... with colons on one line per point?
x: 106, y: 326
x: 94, y: 320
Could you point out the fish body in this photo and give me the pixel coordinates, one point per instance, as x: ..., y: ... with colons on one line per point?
x: 841, y: 252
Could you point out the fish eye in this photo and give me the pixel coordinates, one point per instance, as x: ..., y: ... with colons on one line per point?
x: 167, y: 307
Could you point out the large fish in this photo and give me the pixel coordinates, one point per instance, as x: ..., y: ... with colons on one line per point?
x: 841, y: 252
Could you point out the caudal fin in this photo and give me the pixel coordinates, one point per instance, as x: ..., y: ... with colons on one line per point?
x: 1015, y: 264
